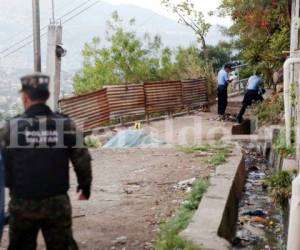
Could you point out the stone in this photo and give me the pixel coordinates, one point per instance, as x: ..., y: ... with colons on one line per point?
x: 185, y: 185
x: 120, y: 240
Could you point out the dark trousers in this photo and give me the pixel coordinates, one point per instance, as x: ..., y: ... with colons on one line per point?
x: 250, y: 97
x: 222, y: 99
x: 52, y: 216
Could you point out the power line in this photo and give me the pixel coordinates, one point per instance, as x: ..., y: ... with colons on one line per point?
x: 82, y: 11
x: 26, y: 31
x: 21, y: 47
x: 21, y: 41
x: 76, y: 8
x: 43, y: 34
x: 45, y: 27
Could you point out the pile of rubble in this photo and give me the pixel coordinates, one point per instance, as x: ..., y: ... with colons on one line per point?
x: 259, y: 223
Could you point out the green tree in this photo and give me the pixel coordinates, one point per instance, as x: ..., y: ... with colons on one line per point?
x: 131, y: 59
x: 192, y: 18
x: 128, y: 59
x: 168, y: 67
x: 219, y: 55
x: 188, y: 64
x: 261, y: 31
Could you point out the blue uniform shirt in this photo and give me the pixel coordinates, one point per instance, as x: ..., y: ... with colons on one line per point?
x: 223, y: 77
x: 254, y: 83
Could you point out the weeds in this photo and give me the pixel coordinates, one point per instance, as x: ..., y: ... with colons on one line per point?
x: 218, y: 152
x: 92, y: 142
x: 281, y: 147
x: 169, y: 238
x: 270, y: 111
x: 280, y: 186
x: 218, y: 158
x: 195, y: 148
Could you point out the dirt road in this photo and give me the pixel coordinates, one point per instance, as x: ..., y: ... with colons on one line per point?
x: 133, y: 189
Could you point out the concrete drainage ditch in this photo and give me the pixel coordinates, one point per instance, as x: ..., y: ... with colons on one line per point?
x: 237, y: 212
x: 260, y: 223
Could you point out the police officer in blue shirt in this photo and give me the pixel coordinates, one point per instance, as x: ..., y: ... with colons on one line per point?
x: 254, y: 93
x: 223, y: 81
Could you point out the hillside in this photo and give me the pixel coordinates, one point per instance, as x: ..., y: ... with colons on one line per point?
x: 16, y: 22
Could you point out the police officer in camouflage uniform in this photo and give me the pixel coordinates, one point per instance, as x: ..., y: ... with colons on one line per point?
x: 37, y: 148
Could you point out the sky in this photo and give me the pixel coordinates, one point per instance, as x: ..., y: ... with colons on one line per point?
x: 7, y: 6
x: 16, y: 16
x: 155, y: 5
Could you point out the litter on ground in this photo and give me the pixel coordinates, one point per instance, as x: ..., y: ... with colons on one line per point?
x: 259, y: 225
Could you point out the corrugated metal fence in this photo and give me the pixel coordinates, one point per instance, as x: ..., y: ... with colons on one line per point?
x: 87, y: 110
x: 120, y: 101
x: 163, y: 96
x: 126, y: 100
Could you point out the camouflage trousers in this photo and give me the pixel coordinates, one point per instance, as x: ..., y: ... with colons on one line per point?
x: 52, y: 216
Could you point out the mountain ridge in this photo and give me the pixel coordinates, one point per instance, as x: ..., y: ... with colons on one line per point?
x: 90, y: 24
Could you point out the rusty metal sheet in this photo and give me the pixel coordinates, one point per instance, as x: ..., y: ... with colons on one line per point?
x: 88, y: 110
x: 163, y: 96
x: 115, y: 101
x: 194, y: 92
x: 126, y: 100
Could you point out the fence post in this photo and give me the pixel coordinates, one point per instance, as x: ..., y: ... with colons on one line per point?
x: 145, y: 104
x: 182, y: 97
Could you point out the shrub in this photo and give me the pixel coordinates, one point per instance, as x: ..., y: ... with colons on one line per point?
x: 92, y: 141
x: 281, y: 147
x: 270, y: 111
x: 280, y: 186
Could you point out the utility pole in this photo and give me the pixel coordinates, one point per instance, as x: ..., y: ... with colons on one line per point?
x: 55, y: 52
x: 292, y: 73
x: 53, y: 11
x: 295, y: 53
x: 36, y: 35
x: 295, y: 25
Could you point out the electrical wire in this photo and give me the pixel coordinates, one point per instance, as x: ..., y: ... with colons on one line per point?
x: 43, y: 34
x: 76, y: 8
x: 45, y: 27
x: 19, y: 34
x: 82, y: 11
x: 21, y: 47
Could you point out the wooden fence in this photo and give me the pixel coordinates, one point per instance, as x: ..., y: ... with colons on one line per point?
x: 121, y: 101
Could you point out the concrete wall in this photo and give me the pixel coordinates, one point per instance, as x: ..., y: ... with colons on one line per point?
x: 214, y: 223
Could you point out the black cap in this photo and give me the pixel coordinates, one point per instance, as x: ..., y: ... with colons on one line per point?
x: 228, y: 66
x: 257, y: 72
x: 35, y: 82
